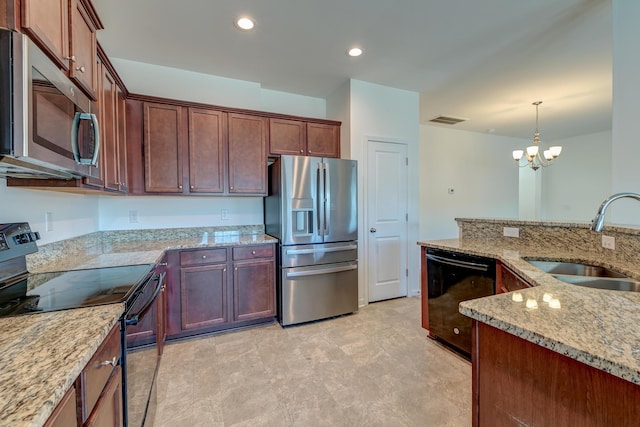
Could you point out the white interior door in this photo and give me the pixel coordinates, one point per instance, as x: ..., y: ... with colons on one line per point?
x: 387, y: 215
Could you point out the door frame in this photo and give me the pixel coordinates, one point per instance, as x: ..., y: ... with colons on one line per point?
x: 364, y: 241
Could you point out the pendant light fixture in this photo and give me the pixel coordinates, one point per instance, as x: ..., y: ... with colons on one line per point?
x: 532, y: 154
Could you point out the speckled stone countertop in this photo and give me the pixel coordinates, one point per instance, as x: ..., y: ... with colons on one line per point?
x: 597, y: 327
x: 41, y: 355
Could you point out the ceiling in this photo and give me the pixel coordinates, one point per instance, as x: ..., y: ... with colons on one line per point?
x: 483, y: 60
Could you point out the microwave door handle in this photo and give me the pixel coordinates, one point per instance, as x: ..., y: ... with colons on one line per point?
x: 75, y: 128
x: 134, y: 318
x: 96, y: 140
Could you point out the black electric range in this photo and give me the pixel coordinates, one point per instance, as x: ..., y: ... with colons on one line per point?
x: 22, y: 292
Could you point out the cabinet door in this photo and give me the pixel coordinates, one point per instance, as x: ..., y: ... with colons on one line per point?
x: 247, y: 154
x: 507, y: 280
x: 287, y: 137
x: 207, y: 157
x: 121, y: 128
x: 47, y: 23
x: 253, y: 289
x: 97, y: 174
x: 108, y: 409
x: 109, y: 144
x: 323, y: 140
x: 83, y: 49
x: 65, y: 414
x: 203, y: 296
x: 163, y: 135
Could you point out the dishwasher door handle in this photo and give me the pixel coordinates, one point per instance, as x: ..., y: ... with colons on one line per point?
x: 458, y: 263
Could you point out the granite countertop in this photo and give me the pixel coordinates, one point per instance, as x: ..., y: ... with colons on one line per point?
x: 41, y: 355
x: 594, y: 326
x: 116, y: 253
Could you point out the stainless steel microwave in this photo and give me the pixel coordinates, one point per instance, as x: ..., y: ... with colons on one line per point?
x: 48, y: 127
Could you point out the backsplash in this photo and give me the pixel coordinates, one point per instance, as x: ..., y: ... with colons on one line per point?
x: 570, y: 238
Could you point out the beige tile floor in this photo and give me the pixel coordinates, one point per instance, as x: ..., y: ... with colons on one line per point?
x: 372, y: 368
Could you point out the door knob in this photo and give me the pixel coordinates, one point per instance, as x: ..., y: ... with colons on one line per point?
x: 372, y: 230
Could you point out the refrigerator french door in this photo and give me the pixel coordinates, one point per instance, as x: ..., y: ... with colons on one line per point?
x: 312, y: 210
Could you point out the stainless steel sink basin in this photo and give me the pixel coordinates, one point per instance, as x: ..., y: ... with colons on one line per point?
x: 601, y: 282
x: 575, y: 269
x: 591, y: 276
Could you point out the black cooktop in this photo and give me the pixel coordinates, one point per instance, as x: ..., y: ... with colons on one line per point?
x: 43, y: 292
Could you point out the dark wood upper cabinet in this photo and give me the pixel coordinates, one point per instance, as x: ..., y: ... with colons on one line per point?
x: 302, y: 138
x: 66, y: 31
x: 121, y: 116
x: 247, y: 154
x: 207, y: 150
x: 109, y: 146
x: 163, y: 142
x: 83, y: 48
x: 323, y: 140
x: 47, y: 23
x: 287, y: 137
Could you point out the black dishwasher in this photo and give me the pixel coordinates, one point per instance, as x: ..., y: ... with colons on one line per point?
x: 454, y: 277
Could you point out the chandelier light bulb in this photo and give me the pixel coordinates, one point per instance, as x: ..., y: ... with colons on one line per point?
x: 555, y: 151
x: 547, y: 155
x: 532, y: 150
x: 517, y: 155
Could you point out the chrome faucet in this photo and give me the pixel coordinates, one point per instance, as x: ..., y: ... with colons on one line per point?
x: 598, y: 222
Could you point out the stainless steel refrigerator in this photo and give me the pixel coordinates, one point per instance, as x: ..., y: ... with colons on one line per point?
x: 312, y: 210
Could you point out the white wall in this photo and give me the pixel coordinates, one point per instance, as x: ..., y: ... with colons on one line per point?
x: 580, y: 179
x: 173, y: 83
x: 625, y: 111
x: 480, y: 169
x: 73, y: 215
x: 383, y: 113
x: 171, y: 212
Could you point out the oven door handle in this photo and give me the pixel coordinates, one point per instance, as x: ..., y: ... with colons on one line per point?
x: 133, y: 319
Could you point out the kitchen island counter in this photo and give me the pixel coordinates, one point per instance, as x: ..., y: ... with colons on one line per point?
x: 596, y: 327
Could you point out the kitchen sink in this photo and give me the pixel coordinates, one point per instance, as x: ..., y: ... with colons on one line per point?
x: 591, y: 276
x: 575, y: 269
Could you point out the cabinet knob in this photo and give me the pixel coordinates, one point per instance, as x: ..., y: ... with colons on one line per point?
x: 163, y: 264
x: 192, y: 187
x: 224, y: 270
x: 180, y: 187
x: 204, y: 257
x: 301, y: 151
x: 236, y: 269
x: 230, y: 188
x: 71, y: 58
x: 253, y: 252
x: 81, y: 69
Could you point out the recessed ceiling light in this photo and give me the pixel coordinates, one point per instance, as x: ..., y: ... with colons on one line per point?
x: 244, y: 23
x: 354, y: 51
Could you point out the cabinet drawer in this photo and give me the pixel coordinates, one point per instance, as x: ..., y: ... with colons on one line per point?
x: 203, y: 256
x: 99, y: 369
x: 251, y: 252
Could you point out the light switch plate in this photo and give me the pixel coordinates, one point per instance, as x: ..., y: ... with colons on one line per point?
x: 133, y: 216
x: 511, y: 231
x: 608, y: 242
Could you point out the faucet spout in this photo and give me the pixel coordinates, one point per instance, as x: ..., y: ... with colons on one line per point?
x: 598, y: 222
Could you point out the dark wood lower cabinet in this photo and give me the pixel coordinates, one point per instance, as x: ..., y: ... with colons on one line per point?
x: 518, y: 383
x: 65, y: 414
x: 507, y: 280
x: 203, y: 297
x: 108, y: 410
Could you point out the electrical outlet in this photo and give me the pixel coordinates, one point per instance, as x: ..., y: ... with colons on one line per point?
x: 511, y: 231
x: 133, y: 216
x: 224, y: 214
x: 609, y: 242
x: 48, y: 221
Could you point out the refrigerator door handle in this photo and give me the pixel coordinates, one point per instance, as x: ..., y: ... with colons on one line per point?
x: 319, y: 200
x: 320, y: 271
x: 321, y: 250
x: 327, y: 198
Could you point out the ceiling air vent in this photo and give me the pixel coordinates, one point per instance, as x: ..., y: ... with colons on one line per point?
x: 447, y: 120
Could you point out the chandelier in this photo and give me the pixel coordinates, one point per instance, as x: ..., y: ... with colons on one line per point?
x: 532, y: 153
